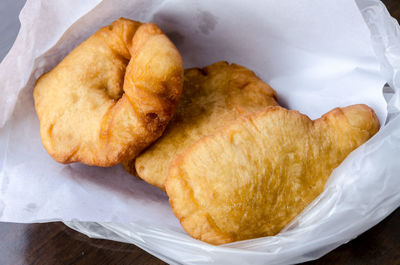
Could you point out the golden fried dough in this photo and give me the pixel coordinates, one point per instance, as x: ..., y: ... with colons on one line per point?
x: 211, y: 98
x: 111, y: 96
x: 251, y: 178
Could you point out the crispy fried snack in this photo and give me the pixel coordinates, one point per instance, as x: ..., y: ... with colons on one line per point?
x: 111, y: 96
x: 250, y: 179
x: 211, y: 98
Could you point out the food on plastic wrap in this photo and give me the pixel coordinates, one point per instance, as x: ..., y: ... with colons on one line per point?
x: 251, y: 178
x: 111, y: 97
x: 212, y: 97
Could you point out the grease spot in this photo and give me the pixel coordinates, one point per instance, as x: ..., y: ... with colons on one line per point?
x: 168, y: 18
x: 176, y: 37
x: 4, y: 184
x: 31, y: 207
x: 2, y: 206
x: 207, y: 22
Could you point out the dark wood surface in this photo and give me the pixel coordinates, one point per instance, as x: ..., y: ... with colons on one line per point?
x: 54, y: 243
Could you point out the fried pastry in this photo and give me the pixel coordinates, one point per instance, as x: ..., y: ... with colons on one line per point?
x: 111, y: 97
x: 212, y: 97
x: 251, y: 178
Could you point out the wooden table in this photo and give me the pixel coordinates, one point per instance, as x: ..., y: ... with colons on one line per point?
x: 54, y: 243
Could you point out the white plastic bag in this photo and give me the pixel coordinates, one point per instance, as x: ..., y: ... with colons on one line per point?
x: 334, y: 218
x: 360, y: 193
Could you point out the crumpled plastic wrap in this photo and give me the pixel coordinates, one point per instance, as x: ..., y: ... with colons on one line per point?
x: 362, y: 191
x: 341, y: 213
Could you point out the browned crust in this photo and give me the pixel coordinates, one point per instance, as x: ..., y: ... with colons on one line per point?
x: 180, y: 192
x: 239, y: 83
x: 153, y: 108
x: 175, y: 179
